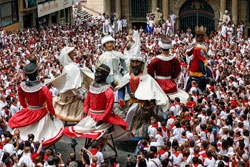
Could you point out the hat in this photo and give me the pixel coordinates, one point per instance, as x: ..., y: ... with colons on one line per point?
x: 66, y: 50
x: 165, y: 43
x: 31, y: 67
x: 138, y: 57
x: 104, y: 67
x: 107, y: 38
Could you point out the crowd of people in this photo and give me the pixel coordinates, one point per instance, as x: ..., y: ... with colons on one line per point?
x: 210, y: 129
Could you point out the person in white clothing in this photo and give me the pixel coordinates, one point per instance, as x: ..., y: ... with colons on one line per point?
x: 14, y: 108
x: 152, y: 161
x: 209, y: 161
x: 158, y: 141
x: 119, y: 25
x: 26, y: 157
x: 9, y: 147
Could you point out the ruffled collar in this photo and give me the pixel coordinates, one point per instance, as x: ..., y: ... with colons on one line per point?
x: 165, y: 58
x: 31, y: 89
x: 96, y: 90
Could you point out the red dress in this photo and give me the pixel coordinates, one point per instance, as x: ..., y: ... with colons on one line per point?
x: 165, y: 70
x: 99, y: 105
x: 103, y: 102
x: 199, y: 52
x: 36, y: 102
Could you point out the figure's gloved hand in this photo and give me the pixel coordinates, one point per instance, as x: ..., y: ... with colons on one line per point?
x: 99, y: 123
x: 114, y: 84
x: 85, y: 114
x: 51, y: 116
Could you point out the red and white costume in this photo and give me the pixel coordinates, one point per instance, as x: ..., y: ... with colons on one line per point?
x: 199, y: 51
x: 165, y: 70
x: 98, y: 105
x: 34, y: 117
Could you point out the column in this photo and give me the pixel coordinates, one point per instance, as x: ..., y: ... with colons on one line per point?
x: 222, y: 7
x: 154, y: 5
x: 108, y: 7
x: 165, y: 9
x: 118, y: 8
x: 126, y: 10
x: 235, y: 11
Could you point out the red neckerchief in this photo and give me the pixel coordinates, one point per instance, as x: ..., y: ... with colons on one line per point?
x: 164, y: 129
x: 196, y: 165
x: 160, y: 133
x: 196, y: 155
x: 210, y: 158
x: 177, y: 154
x: 115, y: 164
x: 46, y: 156
x: 93, y: 165
x: 155, y: 125
x: 172, y: 116
x: 172, y: 105
x: 178, y: 103
x: 162, y: 151
x: 94, y: 151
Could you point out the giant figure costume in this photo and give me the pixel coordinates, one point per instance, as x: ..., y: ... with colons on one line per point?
x: 37, y: 115
x: 72, y: 85
x: 100, y: 119
x: 145, y: 94
x: 165, y: 68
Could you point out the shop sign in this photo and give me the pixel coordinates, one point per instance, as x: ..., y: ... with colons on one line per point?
x: 53, y: 6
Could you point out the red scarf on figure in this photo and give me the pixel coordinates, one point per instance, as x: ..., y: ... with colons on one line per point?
x: 94, y: 151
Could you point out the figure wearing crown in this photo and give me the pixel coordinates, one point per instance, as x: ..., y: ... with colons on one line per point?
x: 198, y: 63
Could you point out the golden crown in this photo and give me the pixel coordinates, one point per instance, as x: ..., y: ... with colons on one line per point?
x: 200, y: 30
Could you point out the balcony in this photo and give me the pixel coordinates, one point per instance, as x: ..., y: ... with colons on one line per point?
x: 32, y: 4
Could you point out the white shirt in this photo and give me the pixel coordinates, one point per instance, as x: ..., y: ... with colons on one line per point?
x: 26, y: 158
x: 99, y: 156
x: 152, y: 131
x: 209, y: 163
x: 153, y: 162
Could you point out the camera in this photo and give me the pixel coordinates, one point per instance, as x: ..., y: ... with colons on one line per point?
x: 73, y: 143
x: 128, y: 155
x: 58, y: 153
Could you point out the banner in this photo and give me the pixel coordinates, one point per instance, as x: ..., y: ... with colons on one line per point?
x: 53, y: 6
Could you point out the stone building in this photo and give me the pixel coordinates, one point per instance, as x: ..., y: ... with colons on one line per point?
x: 189, y: 12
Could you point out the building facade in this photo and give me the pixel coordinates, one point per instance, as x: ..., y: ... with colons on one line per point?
x: 189, y: 12
x: 9, y: 16
x: 19, y: 14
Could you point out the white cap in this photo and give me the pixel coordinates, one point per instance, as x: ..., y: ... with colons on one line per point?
x: 165, y: 45
x: 107, y: 38
x: 138, y: 57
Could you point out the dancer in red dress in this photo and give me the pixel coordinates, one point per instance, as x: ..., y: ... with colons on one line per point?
x: 37, y: 113
x: 100, y: 119
x: 165, y: 69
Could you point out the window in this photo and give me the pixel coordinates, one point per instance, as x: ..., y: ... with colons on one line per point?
x: 8, y: 13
